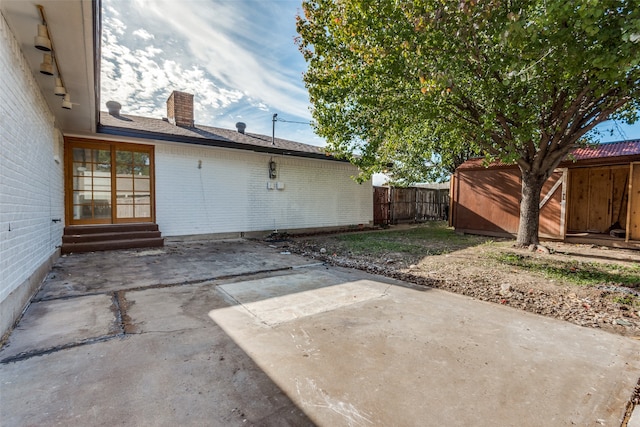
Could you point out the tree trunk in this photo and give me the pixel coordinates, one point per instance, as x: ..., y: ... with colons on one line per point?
x: 530, y: 208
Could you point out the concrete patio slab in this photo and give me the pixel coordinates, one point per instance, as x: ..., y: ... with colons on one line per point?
x: 280, y: 341
x: 281, y: 299
x: 101, y: 272
x: 416, y: 357
x: 51, y: 324
x: 200, y: 378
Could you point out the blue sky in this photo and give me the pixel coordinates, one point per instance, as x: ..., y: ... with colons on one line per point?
x: 238, y: 58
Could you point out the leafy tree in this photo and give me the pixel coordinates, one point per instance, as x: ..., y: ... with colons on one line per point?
x: 521, y: 81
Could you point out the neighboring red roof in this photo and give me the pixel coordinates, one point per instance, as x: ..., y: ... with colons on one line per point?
x: 600, y: 151
x: 609, y: 149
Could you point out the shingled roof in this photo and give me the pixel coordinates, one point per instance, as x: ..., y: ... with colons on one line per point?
x: 161, y: 129
x: 601, y: 151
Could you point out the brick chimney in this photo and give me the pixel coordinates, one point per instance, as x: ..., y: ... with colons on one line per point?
x: 180, y: 109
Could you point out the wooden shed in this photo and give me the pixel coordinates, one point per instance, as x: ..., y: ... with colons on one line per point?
x: 593, y: 196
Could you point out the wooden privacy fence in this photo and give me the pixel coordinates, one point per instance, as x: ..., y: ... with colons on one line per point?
x: 392, y: 205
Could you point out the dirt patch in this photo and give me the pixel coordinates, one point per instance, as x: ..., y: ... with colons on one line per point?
x: 478, y: 271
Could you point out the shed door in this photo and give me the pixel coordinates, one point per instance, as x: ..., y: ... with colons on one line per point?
x: 596, y: 198
x: 552, y: 205
x: 633, y: 216
x: 599, y: 200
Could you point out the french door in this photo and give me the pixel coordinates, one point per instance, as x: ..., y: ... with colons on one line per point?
x: 108, y: 183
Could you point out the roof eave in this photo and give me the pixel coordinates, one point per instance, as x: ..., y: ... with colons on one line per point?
x: 158, y: 136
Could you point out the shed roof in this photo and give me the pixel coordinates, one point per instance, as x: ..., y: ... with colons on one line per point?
x: 609, y: 149
x: 160, y: 129
x: 601, y: 151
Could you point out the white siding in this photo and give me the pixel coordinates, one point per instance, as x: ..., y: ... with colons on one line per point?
x: 229, y: 193
x: 31, y: 182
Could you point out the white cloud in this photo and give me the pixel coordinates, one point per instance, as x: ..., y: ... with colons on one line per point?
x: 143, y: 34
x: 149, y: 79
x: 236, y: 57
x: 228, y: 41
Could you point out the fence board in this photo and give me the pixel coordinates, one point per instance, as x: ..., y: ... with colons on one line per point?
x: 381, y: 205
x: 403, y: 204
x: 394, y: 205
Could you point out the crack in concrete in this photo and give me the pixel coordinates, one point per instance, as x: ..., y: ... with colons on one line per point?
x: 123, y: 323
x: 35, y: 353
x: 174, y: 284
x: 166, y: 332
x: 117, y: 312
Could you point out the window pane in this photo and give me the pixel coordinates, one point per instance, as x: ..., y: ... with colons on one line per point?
x: 101, y: 183
x: 101, y: 209
x: 124, y: 185
x: 143, y: 211
x: 124, y: 169
x: 82, y: 168
x: 82, y: 154
x: 103, y: 167
x: 102, y: 196
x: 141, y: 159
x: 124, y: 162
x: 82, y: 212
x: 142, y: 185
x: 125, y: 210
x: 124, y: 157
x: 81, y: 197
x: 103, y: 156
x: 125, y: 196
x: 142, y: 171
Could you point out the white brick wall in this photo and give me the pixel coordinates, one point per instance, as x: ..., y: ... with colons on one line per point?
x: 31, y: 182
x: 229, y: 192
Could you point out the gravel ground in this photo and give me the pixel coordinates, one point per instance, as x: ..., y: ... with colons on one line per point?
x: 473, y: 272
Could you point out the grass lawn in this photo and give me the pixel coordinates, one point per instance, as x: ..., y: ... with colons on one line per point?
x: 435, y: 238
x: 431, y: 238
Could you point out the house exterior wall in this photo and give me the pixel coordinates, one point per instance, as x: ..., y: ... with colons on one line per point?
x: 31, y: 183
x: 205, y: 190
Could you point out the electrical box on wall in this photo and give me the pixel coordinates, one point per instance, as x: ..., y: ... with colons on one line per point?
x: 272, y: 170
x: 280, y: 185
x: 270, y: 186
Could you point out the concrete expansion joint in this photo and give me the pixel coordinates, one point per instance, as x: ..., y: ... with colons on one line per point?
x: 169, y: 331
x: 35, y: 353
x: 175, y: 284
x: 70, y: 297
x: 632, y: 412
x: 119, y: 306
x: 315, y: 264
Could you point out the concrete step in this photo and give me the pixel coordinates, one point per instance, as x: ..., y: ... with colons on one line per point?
x: 110, y: 228
x: 109, y: 245
x: 101, y: 237
x: 106, y: 237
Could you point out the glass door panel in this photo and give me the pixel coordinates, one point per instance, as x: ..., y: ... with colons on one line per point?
x: 91, y: 185
x: 133, y: 185
x: 108, y: 182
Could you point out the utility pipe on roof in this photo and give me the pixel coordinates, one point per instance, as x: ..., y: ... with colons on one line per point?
x: 273, y: 129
